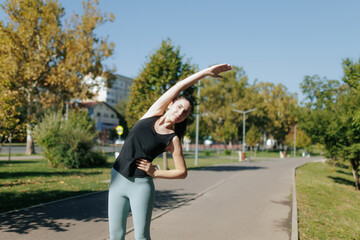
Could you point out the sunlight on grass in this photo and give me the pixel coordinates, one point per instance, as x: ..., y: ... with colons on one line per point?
x: 328, y: 204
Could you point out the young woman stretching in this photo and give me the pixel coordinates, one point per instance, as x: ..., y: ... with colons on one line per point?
x: 132, y: 173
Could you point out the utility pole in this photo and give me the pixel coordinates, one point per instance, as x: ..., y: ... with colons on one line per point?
x: 295, y: 141
x: 244, y: 113
x: 197, y: 126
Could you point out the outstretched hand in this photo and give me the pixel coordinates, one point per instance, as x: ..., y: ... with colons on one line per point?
x: 215, y: 70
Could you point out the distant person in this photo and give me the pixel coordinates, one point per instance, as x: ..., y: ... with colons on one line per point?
x: 132, y: 173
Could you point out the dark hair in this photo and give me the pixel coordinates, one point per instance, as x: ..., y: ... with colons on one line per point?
x: 180, y: 128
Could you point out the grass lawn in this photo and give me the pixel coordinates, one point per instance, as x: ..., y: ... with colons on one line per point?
x: 328, y: 205
x: 29, y: 182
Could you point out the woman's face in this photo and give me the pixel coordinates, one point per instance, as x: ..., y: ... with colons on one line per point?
x: 179, y: 110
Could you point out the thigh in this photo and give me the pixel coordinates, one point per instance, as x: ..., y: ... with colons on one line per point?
x: 142, y: 201
x: 119, y: 206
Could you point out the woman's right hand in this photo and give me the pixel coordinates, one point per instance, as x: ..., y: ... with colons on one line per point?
x: 215, y: 70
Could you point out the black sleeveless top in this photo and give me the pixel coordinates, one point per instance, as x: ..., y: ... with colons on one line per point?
x: 141, y: 142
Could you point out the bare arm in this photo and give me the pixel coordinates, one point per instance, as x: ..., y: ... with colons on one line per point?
x: 180, y: 171
x: 160, y: 105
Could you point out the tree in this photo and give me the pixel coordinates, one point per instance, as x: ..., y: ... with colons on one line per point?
x: 218, y: 98
x: 302, y: 140
x: 253, y: 137
x: 164, y: 68
x: 11, y: 122
x: 39, y: 58
x: 279, y: 108
x: 332, y: 115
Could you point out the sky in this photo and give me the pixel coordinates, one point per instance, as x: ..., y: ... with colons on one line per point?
x: 278, y: 41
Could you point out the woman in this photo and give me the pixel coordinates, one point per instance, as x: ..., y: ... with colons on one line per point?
x: 132, y: 172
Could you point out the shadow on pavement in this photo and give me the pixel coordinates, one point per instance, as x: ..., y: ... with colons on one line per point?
x: 61, y: 216
x: 226, y: 168
x: 58, y: 216
x: 167, y: 199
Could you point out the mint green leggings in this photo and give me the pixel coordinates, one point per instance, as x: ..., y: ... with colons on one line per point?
x: 139, y: 193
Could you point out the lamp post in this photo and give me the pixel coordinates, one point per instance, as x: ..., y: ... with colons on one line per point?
x: 295, y: 141
x: 244, y: 113
x: 197, y: 126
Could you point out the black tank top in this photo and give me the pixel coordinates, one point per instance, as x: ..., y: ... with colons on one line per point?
x: 141, y: 142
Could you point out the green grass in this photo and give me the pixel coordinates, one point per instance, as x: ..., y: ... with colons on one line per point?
x: 328, y: 204
x: 29, y: 182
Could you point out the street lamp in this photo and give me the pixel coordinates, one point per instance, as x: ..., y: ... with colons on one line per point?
x: 244, y: 113
x: 295, y: 141
x: 197, y: 126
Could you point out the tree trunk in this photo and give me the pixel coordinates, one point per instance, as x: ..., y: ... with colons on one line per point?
x: 29, y: 141
x: 355, y: 171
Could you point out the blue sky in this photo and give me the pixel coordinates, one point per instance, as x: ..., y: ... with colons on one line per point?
x: 274, y: 41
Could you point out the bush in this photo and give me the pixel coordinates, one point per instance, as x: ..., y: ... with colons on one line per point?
x: 207, y: 152
x: 227, y: 152
x: 69, y: 143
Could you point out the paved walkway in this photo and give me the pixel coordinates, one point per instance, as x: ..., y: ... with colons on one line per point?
x: 250, y: 200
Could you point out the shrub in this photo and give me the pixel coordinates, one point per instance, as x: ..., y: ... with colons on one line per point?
x: 69, y: 143
x: 207, y: 152
x: 227, y: 152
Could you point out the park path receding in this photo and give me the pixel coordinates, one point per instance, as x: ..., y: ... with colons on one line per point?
x: 248, y: 200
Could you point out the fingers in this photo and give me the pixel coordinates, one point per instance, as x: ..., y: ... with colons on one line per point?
x: 224, y: 67
x: 217, y: 69
x: 143, y: 164
x: 146, y: 166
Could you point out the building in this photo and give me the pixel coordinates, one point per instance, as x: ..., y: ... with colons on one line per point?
x: 120, y: 90
x: 105, y: 116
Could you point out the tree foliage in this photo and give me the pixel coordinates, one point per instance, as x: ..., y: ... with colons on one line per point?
x: 253, y: 136
x: 218, y: 98
x: 68, y: 143
x: 162, y: 70
x: 279, y: 107
x: 44, y: 60
x: 274, y: 113
x: 11, y: 122
x: 331, y: 116
x: 302, y: 139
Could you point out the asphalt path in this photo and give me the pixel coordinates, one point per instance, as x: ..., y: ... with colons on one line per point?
x: 247, y: 200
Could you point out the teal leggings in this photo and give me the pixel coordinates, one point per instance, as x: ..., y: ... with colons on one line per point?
x: 139, y: 193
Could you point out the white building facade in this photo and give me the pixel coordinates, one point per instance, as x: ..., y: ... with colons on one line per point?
x: 105, y: 116
x: 120, y: 90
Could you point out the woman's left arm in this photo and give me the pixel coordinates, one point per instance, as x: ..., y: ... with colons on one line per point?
x: 180, y: 171
x: 160, y: 105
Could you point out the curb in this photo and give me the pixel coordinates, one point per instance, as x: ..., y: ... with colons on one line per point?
x: 294, y: 214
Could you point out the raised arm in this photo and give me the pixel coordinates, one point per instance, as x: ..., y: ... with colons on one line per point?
x: 160, y: 105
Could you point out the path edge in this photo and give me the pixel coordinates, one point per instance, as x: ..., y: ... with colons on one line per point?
x: 294, y: 214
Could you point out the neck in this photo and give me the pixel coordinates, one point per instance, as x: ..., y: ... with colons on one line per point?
x: 164, y: 120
